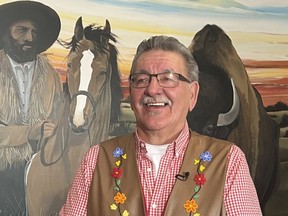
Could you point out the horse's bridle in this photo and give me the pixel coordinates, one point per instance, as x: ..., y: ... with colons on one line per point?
x: 70, y: 119
x: 93, y: 103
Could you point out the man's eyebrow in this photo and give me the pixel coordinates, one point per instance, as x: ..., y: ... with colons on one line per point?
x: 167, y: 70
x: 20, y: 26
x: 24, y: 26
x: 142, y: 71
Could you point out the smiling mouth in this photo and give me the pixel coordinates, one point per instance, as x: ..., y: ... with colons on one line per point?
x: 158, y: 104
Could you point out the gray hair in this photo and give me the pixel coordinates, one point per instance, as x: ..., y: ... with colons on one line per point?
x: 166, y: 43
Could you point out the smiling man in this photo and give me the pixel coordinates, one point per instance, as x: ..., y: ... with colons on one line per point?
x: 157, y: 82
x: 29, y: 86
x: 163, y: 168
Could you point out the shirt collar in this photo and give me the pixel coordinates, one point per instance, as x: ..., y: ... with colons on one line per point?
x: 16, y: 65
x: 177, y: 146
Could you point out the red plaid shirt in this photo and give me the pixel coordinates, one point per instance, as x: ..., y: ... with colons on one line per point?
x: 240, y: 196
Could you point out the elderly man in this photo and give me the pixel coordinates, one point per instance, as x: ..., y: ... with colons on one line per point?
x: 29, y: 88
x: 163, y: 168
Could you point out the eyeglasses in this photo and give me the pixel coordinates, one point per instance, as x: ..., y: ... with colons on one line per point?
x: 165, y: 79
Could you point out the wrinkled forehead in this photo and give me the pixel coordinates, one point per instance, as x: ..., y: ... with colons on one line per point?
x: 23, y: 23
x: 156, y: 61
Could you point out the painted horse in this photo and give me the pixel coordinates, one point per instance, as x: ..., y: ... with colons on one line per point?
x: 94, y: 71
x: 228, y: 107
x: 91, y: 103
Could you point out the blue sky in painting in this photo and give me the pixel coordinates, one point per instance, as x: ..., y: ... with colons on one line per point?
x: 261, y: 10
x: 268, y: 6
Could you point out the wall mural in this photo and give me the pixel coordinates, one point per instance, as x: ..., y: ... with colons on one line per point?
x: 93, y: 54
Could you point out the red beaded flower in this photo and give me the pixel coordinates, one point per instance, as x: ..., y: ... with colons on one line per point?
x: 200, y: 179
x: 116, y: 173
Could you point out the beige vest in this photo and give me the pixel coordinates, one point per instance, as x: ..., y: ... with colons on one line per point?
x: 209, y: 198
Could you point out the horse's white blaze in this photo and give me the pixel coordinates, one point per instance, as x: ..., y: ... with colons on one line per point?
x: 85, y: 76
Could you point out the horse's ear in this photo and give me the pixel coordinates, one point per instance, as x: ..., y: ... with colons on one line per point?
x: 107, y: 27
x: 78, y: 29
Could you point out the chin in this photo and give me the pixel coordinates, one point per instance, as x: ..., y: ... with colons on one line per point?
x: 154, y: 125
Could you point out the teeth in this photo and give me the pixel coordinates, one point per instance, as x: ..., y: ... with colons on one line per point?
x: 156, y: 104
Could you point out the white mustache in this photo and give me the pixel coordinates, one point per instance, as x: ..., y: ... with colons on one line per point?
x: 147, y: 100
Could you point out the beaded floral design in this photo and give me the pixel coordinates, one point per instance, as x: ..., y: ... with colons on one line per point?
x: 191, y: 204
x: 117, y: 172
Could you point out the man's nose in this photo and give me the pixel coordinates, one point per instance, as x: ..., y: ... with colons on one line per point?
x: 153, y: 87
x: 29, y: 36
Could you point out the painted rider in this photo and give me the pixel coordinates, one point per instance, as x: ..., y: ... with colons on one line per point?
x: 29, y: 89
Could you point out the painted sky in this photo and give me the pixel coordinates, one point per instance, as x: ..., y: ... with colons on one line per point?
x: 258, y: 30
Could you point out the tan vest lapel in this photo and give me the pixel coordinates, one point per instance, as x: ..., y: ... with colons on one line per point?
x: 102, y: 191
x: 210, y: 198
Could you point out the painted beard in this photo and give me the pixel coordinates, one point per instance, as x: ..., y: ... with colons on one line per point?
x: 17, y: 51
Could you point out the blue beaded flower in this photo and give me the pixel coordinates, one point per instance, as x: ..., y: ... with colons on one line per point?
x: 206, y: 156
x: 118, y: 152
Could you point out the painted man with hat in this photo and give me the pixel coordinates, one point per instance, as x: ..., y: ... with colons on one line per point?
x: 29, y: 90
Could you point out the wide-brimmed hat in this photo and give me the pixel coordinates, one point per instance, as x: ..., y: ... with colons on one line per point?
x: 46, y: 19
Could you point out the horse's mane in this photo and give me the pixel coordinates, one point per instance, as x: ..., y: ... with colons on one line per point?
x: 116, y: 91
x: 93, y: 33
x: 72, y: 45
x: 99, y: 35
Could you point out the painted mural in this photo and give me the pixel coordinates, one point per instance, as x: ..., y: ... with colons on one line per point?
x: 258, y: 32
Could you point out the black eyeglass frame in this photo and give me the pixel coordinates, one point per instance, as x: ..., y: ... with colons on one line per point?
x: 180, y: 77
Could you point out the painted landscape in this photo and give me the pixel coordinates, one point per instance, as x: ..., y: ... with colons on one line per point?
x: 257, y: 29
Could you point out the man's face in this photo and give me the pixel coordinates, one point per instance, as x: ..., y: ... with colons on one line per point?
x: 21, y: 41
x: 167, y: 107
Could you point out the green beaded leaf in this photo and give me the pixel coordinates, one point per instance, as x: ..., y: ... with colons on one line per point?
x: 118, y: 182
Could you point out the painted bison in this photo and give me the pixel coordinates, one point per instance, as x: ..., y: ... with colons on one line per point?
x: 230, y: 108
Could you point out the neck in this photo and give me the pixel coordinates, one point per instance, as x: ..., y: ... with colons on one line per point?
x: 158, y: 137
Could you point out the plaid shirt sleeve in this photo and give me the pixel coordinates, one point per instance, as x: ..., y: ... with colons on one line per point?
x: 240, y: 195
x: 76, y: 202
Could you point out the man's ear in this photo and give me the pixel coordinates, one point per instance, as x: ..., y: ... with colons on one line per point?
x: 194, y: 88
x: 131, y: 105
